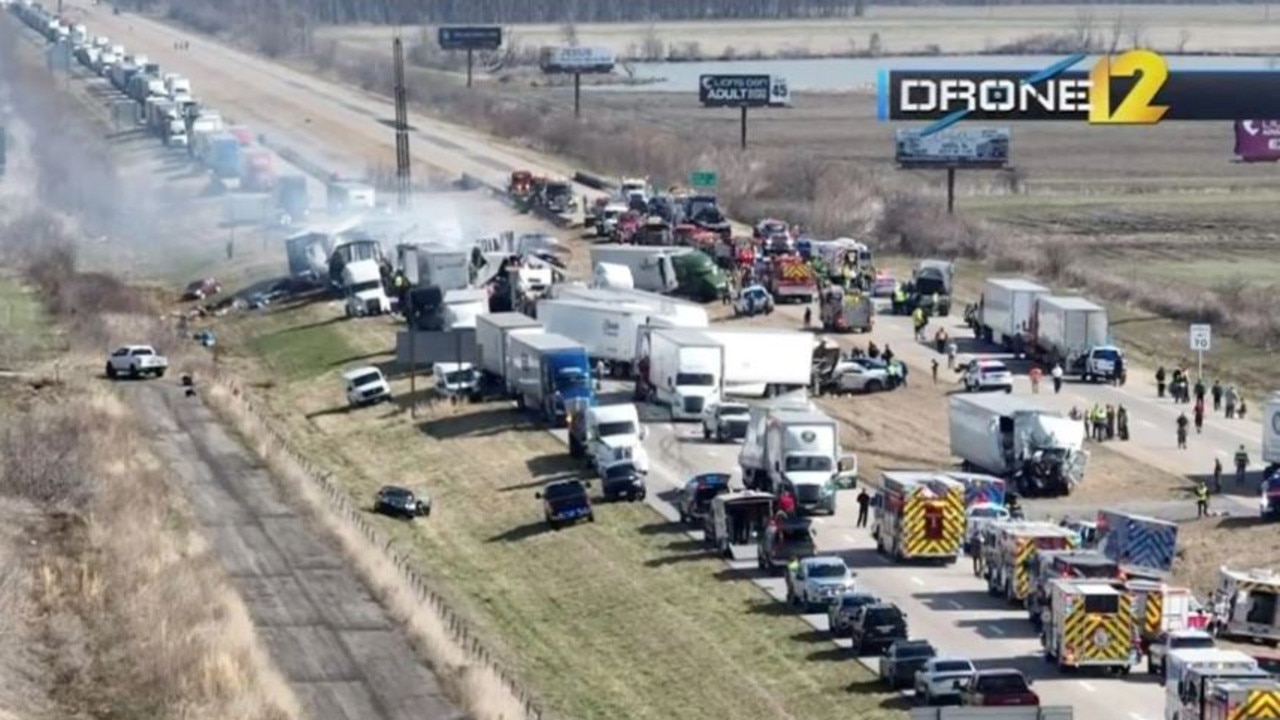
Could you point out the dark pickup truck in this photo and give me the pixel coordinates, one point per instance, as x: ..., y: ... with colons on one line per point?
x: 997, y: 688
x: 566, y: 502
x: 783, y: 539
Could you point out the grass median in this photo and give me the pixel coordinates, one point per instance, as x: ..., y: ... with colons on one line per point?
x: 622, y: 618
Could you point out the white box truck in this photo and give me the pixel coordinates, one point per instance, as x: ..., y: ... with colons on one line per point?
x: 615, y: 435
x: 790, y: 445
x: 462, y: 307
x: 1006, y: 311
x: 607, y: 330
x: 681, y: 368
x: 668, y: 311
x: 492, y: 332
x: 760, y: 362
x: 1039, y: 452
x: 651, y: 267
x: 428, y: 264
x: 362, y: 286
x: 1074, y: 332
x: 612, y: 275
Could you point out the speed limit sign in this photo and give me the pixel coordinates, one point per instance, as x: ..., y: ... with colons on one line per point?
x: 1201, y: 338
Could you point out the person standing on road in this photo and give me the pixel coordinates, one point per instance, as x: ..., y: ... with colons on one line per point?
x: 1242, y: 465
x: 808, y: 316
x: 1057, y: 374
x: 934, y: 368
x: 1182, y: 431
x: 600, y: 371
x: 951, y: 354
x: 1122, y: 420
x: 1035, y: 375
x: 1241, y: 409
x: 1217, y: 474
x: 1160, y: 378
x: 864, y: 504
x: 887, y: 355
x: 975, y: 552
x: 1111, y: 422
x: 1202, y: 500
x: 1216, y: 393
x: 1230, y: 401
x: 1200, y: 390
x: 1198, y: 415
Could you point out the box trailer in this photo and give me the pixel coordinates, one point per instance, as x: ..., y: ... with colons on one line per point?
x: 493, y: 330
x: 761, y: 362
x: 607, y: 330
x: 1006, y: 310
x: 681, y: 368
x: 1039, y: 451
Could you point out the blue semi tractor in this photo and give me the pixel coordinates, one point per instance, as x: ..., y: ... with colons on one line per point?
x: 549, y: 373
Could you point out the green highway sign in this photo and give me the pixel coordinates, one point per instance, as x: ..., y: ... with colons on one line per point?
x: 702, y: 179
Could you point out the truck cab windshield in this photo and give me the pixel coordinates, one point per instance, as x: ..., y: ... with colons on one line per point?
x: 808, y: 463
x: 459, y: 377
x: 624, y: 427
x: 571, y: 380
x: 695, y: 380
x: 366, y: 286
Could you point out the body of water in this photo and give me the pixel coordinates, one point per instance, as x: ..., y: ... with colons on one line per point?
x: 847, y: 74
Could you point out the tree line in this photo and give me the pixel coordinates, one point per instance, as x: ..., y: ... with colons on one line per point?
x: 438, y: 12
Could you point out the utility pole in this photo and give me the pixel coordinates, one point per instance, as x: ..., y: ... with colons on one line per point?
x: 403, y: 166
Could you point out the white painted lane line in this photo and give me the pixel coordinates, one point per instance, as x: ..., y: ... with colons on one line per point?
x: 917, y: 581
x: 1146, y: 423
x: 1085, y: 684
x: 1135, y: 716
x: 955, y: 605
x: 850, y: 538
x: 996, y: 630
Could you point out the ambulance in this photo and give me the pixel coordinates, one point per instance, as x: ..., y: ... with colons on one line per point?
x: 1009, y: 554
x: 919, y: 515
x: 1202, y: 684
x: 1088, y: 623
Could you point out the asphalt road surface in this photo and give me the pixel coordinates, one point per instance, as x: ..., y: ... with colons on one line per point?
x: 947, y: 605
x: 341, y: 653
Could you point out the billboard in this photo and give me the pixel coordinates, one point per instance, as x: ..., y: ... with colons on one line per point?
x: 1136, y: 87
x: 572, y: 60
x: 470, y: 37
x: 959, y: 148
x: 735, y: 90
x: 1258, y: 140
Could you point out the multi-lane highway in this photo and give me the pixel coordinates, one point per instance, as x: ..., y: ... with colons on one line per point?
x: 340, y: 126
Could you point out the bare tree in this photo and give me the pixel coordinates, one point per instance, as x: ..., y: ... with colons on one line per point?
x: 1184, y: 37
x: 1137, y: 34
x: 1117, y: 33
x: 1084, y: 30
x: 569, y: 32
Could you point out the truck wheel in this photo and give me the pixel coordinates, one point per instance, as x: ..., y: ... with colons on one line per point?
x: 706, y: 434
x: 134, y: 372
x: 111, y: 371
x: 160, y: 373
x: 1008, y: 389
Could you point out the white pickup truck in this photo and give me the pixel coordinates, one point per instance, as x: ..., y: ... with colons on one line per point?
x: 135, y: 361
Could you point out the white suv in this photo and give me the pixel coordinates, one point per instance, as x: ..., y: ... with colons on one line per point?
x: 366, y: 386
x: 987, y: 375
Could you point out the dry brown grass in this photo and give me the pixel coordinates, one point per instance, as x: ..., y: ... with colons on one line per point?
x: 136, y: 617
x: 475, y: 685
x: 139, y: 619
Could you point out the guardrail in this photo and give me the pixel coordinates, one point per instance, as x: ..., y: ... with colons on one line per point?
x: 340, y: 502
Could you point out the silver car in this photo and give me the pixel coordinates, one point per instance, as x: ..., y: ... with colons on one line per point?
x: 856, y: 376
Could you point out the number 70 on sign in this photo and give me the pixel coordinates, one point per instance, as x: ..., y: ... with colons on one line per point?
x: 1201, y: 338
